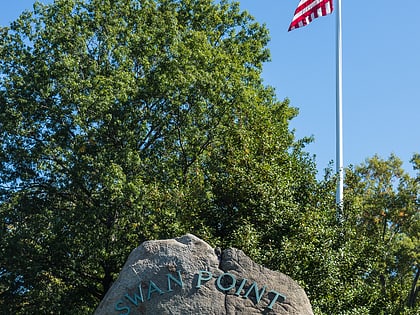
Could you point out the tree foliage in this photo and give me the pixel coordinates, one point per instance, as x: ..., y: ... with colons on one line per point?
x: 368, y: 264
x: 123, y: 121
x: 384, y: 224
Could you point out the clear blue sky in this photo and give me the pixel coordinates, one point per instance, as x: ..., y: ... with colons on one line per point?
x: 381, y: 69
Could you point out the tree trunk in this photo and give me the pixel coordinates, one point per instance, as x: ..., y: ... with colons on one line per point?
x: 414, y: 290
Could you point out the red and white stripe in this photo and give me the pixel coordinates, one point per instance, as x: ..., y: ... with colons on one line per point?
x: 309, y: 10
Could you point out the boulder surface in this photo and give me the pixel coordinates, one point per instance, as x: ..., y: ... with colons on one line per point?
x: 187, y: 276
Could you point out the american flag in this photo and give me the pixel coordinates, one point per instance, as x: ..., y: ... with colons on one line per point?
x: 308, y: 10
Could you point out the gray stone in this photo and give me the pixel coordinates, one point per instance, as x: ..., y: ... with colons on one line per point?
x: 187, y: 276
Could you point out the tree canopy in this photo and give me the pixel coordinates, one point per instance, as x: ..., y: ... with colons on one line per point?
x: 128, y: 120
x: 123, y: 121
x: 384, y: 234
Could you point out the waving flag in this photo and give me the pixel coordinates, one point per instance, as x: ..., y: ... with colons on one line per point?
x: 309, y: 10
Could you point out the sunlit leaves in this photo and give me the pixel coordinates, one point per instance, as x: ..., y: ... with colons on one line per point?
x: 112, y: 113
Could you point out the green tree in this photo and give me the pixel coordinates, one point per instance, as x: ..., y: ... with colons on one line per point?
x: 122, y: 121
x: 367, y: 264
x: 383, y: 222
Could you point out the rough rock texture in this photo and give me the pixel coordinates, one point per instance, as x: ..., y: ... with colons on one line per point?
x: 187, y: 276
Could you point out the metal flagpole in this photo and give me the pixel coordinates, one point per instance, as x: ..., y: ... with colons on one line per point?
x: 304, y: 14
x: 339, y: 114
